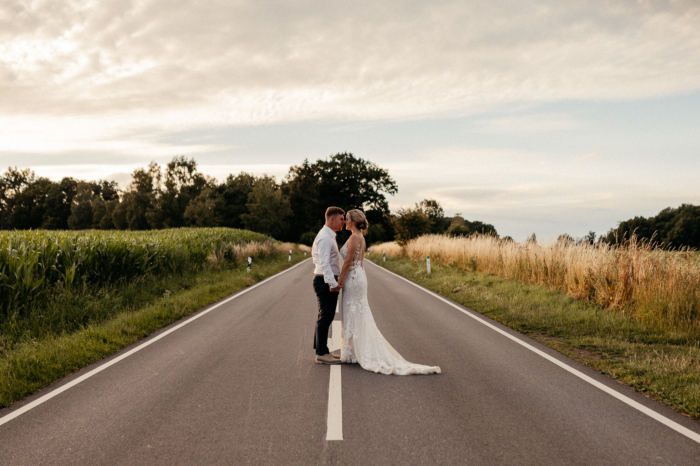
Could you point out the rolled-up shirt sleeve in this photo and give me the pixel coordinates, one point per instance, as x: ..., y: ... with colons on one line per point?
x: 324, y: 250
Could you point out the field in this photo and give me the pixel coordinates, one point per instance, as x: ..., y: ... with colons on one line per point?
x: 71, y: 298
x: 46, y: 275
x: 657, y: 287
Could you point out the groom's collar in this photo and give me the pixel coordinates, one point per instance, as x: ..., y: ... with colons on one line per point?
x: 329, y: 229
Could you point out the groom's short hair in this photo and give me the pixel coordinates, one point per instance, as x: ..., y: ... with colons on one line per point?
x: 331, y: 211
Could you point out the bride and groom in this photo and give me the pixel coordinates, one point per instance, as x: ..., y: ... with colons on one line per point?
x: 361, y: 340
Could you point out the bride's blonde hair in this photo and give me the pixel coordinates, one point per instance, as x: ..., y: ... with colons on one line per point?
x: 360, y: 220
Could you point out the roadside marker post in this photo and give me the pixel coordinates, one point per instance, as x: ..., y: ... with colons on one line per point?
x: 384, y: 254
x: 250, y: 262
x: 290, y: 256
x: 428, y: 261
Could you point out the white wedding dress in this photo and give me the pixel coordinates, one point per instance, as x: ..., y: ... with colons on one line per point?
x: 361, y: 340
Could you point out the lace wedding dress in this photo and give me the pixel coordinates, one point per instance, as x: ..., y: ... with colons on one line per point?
x: 361, y: 340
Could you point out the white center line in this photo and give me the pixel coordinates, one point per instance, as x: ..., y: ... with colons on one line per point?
x: 335, y: 395
x: 628, y: 401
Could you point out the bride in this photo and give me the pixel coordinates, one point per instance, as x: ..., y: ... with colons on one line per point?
x: 361, y: 340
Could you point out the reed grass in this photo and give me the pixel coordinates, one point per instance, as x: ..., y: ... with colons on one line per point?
x: 658, y: 287
x: 663, y: 365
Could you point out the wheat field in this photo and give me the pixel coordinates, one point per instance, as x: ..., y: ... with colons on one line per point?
x: 660, y: 288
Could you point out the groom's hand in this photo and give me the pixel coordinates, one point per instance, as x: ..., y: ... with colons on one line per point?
x: 337, y: 288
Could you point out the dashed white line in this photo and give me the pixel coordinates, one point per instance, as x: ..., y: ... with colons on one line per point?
x: 335, y: 396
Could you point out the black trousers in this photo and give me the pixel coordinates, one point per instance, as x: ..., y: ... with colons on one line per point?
x: 327, y: 302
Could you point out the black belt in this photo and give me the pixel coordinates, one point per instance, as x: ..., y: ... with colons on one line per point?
x: 334, y: 276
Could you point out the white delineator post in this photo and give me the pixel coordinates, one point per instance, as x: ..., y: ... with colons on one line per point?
x: 290, y: 256
x: 428, y: 262
x: 384, y: 254
x: 304, y: 252
x: 250, y: 262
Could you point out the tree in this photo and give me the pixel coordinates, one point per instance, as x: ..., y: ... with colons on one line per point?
x: 434, y: 211
x: 231, y: 198
x: 589, y: 238
x: 181, y: 183
x: 268, y: 209
x: 458, y: 227
x: 81, y: 207
x: 671, y: 227
x: 344, y: 181
x: 22, y: 198
x: 565, y: 240
x: 302, y: 185
x: 201, y: 210
x: 139, y: 198
x: 411, y: 223
x: 57, y: 206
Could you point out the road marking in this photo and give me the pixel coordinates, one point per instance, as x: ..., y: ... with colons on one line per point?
x: 335, y: 396
x: 97, y: 370
x: 638, y: 406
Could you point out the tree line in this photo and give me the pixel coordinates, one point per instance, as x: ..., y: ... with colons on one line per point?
x: 671, y: 228
x: 177, y: 195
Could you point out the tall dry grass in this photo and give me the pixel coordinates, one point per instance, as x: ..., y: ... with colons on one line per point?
x: 661, y: 288
x: 392, y: 249
x: 234, y: 253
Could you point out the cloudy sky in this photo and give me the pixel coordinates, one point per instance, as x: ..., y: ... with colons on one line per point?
x: 540, y: 116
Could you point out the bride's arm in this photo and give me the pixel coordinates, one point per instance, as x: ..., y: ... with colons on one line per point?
x: 352, y: 245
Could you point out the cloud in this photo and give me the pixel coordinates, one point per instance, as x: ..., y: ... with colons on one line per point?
x: 591, y: 156
x: 196, y: 64
x: 528, y: 124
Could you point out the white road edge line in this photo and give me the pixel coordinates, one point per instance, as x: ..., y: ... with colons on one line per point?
x: 97, y: 370
x: 335, y: 395
x: 638, y: 406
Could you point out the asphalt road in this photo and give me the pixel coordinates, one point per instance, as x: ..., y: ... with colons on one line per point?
x: 239, y: 386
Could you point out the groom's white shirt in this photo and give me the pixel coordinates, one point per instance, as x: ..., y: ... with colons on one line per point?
x: 324, y: 253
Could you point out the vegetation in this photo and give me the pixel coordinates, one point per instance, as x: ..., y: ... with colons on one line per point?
x: 344, y: 181
x: 656, y: 287
x: 672, y: 228
x: 49, y: 278
x: 662, y: 364
x: 179, y: 195
x: 118, y: 315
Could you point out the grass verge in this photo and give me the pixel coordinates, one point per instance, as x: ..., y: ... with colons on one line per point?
x: 33, y: 365
x: 663, y: 365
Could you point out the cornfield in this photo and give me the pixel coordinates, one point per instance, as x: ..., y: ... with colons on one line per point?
x: 660, y: 288
x: 33, y: 263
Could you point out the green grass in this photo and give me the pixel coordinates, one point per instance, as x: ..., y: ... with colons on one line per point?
x: 117, y: 317
x: 663, y: 365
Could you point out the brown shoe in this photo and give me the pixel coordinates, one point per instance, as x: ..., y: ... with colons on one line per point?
x: 336, y: 356
x: 327, y: 359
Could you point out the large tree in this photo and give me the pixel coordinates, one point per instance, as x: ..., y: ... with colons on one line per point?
x: 342, y: 180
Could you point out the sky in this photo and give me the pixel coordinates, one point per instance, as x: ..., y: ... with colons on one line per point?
x: 543, y: 117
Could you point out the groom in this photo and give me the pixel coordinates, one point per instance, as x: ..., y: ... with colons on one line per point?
x: 324, y: 253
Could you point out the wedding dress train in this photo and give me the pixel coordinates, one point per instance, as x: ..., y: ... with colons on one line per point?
x: 362, y: 342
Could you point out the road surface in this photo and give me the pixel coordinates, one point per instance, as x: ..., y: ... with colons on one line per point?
x: 238, y: 385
